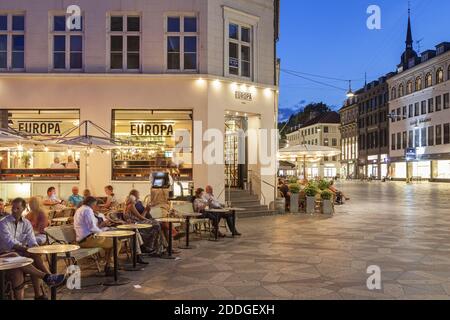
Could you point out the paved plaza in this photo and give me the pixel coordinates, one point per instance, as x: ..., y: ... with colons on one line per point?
x: 404, y: 229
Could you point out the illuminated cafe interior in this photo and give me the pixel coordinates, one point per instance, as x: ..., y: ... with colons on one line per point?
x: 26, y: 166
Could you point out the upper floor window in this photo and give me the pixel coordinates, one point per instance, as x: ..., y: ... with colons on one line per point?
x: 66, y: 44
x: 428, y: 80
x: 182, y: 43
x: 12, y: 41
x: 440, y: 75
x: 418, y: 84
x: 239, y: 49
x: 448, y: 73
x: 393, y: 93
x: 409, y: 87
x: 125, y: 42
x: 401, y: 90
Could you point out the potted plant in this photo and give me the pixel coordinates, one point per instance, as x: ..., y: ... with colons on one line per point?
x: 310, y: 192
x: 327, y: 204
x: 294, y: 189
x: 323, y: 185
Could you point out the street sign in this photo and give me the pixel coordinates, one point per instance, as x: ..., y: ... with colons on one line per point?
x: 410, y: 153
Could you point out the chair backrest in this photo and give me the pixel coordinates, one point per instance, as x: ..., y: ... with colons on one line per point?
x: 68, y: 212
x: 158, y: 212
x: 51, y: 214
x: 185, y: 207
x: 61, y: 234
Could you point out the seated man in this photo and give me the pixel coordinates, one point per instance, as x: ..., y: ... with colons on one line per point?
x: 213, y: 203
x: 75, y: 199
x: 86, y: 225
x: 339, y: 195
x: 3, y: 213
x: 17, y: 235
x: 52, y: 199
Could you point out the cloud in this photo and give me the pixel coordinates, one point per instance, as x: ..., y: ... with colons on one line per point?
x: 285, y: 112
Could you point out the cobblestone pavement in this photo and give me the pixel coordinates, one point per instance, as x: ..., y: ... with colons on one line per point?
x: 403, y: 229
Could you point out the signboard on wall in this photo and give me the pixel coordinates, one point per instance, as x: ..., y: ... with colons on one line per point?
x: 148, y: 129
x: 410, y: 153
x: 40, y: 128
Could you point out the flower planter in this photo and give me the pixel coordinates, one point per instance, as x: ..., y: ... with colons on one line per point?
x: 294, y: 202
x: 310, y: 204
x: 327, y: 207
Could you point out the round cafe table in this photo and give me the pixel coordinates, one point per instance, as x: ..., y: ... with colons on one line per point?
x: 216, y: 220
x: 233, y: 212
x: 53, y: 251
x: 10, y: 263
x: 115, y: 234
x: 134, y: 227
x: 170, y: 221
x: 188, y: 216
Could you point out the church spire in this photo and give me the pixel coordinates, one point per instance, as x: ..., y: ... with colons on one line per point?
x: 409, y: 39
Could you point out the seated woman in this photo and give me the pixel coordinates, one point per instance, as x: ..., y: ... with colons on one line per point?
x: 200, y: 204
x: 86, y: 225
x: 38, y: 218
x: 111, y: 201
x: 135, y: 212
x: 338, y: 194
x: 16, y: 277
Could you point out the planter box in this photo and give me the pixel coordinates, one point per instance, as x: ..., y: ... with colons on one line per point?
x: 327, y: 207
x: 294, y: 202
x: 310, y: 204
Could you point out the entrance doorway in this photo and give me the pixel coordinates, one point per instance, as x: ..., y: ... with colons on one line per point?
x: 235, y: 151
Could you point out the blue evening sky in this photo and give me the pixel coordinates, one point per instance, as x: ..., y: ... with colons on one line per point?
x: 330, y: 38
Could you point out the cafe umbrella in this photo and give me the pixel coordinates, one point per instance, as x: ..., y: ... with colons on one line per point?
x: 303, y: 152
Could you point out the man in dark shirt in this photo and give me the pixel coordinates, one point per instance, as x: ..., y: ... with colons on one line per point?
x: 284, y: 189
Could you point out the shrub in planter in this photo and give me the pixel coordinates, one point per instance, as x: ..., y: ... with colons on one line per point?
x: 294, y: 189
x: 327, y: 205
x: 323, y: 185
x: 310, y: 191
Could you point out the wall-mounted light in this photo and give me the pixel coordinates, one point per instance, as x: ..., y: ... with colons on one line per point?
x: 268, y: 92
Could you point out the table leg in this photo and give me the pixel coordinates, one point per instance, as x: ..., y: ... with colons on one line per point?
x: 2, y: 285
x: 134, y: 251
x: 53, y: 270
x: 187, y: 246
x: 233, y: 215
x: 116, y: 264
x: 170, y: 240
x: 116, y: 281
x: 216, y: 233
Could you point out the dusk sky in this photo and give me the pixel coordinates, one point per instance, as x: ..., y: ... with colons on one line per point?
x: 330, y: 38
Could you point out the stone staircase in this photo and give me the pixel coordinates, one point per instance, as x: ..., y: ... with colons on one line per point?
x: 243, y: 199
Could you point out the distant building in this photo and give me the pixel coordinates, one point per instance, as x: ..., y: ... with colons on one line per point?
x: 420, y: 115
x: 349, y: 138
x: 322, y: 130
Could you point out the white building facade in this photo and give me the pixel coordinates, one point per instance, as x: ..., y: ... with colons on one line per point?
x: 141, y: 70
x: 420, y: 118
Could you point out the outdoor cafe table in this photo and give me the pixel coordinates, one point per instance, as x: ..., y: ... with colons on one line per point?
x: 6, y: 265
x: 134, y: 227
x: 53, y: 251
x: 188, y: 216
x: 170, y: 221
x: 216, y: 220
x: 115, y: 234
x: 233, y: 212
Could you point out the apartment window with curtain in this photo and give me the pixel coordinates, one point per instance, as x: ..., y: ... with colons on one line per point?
x: 404, y: 140
x: 67, y: 45
x: 125, y: 42
x: 393, y: 141
x: 446, y: 133
x: 438, y: 103
x: 439, y: 134
x: 430, y: 105
x: 182, y: 43
x: 240, y: 50
x: 446, y: 101
x: 12, y: 42
x: 411, y: 139
x: 431, y: 136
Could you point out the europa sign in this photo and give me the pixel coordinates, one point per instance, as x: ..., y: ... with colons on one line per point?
x: 40, y: 128
x: 151, y: 129
x: 246, y: 96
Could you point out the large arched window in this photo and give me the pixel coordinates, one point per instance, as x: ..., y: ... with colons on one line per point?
x: 418, y: 84
x: 401, y: 90
x: 440, y: 75
x: 409, y: 87
x: 448, y: 73
x: 428, y: 80
x: 393, y: 93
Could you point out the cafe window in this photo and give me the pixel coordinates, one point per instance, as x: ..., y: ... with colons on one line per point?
x: 162, y: 140
x: 12, y: 41
x: 124, y: 42
x: 67, y: 44
x: 38, y: 162
x: 182, y: 43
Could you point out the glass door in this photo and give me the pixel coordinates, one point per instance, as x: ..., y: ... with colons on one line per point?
x: 235, y: 152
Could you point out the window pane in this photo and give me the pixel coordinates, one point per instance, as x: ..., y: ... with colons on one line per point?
x: 190, y: 44
x: 173, y: 24
x: 59, y: 43
x: 59, y: 23
x: 3, y: 42
x: 245, y: 34
x: 173, y: 44
x: 234, y: 30
x: 234, y: 55
x: 190, y: 61
x: 116, y: 23
x: 18, y: 23
x: 245, y: 69
x: 76, y: 60
x: 116, y: 61
x: 173, y: 61
x: 133, y: 43
x: 116, y: 43
x: 190, y: 24
x: 59, y: 60
x: 76, y: 43
x: 245, y: 53
x: 18, y: 61
x: 3, y: 60
x: 133, y: 61
x: 133, y: 24
x: 3, y: 22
